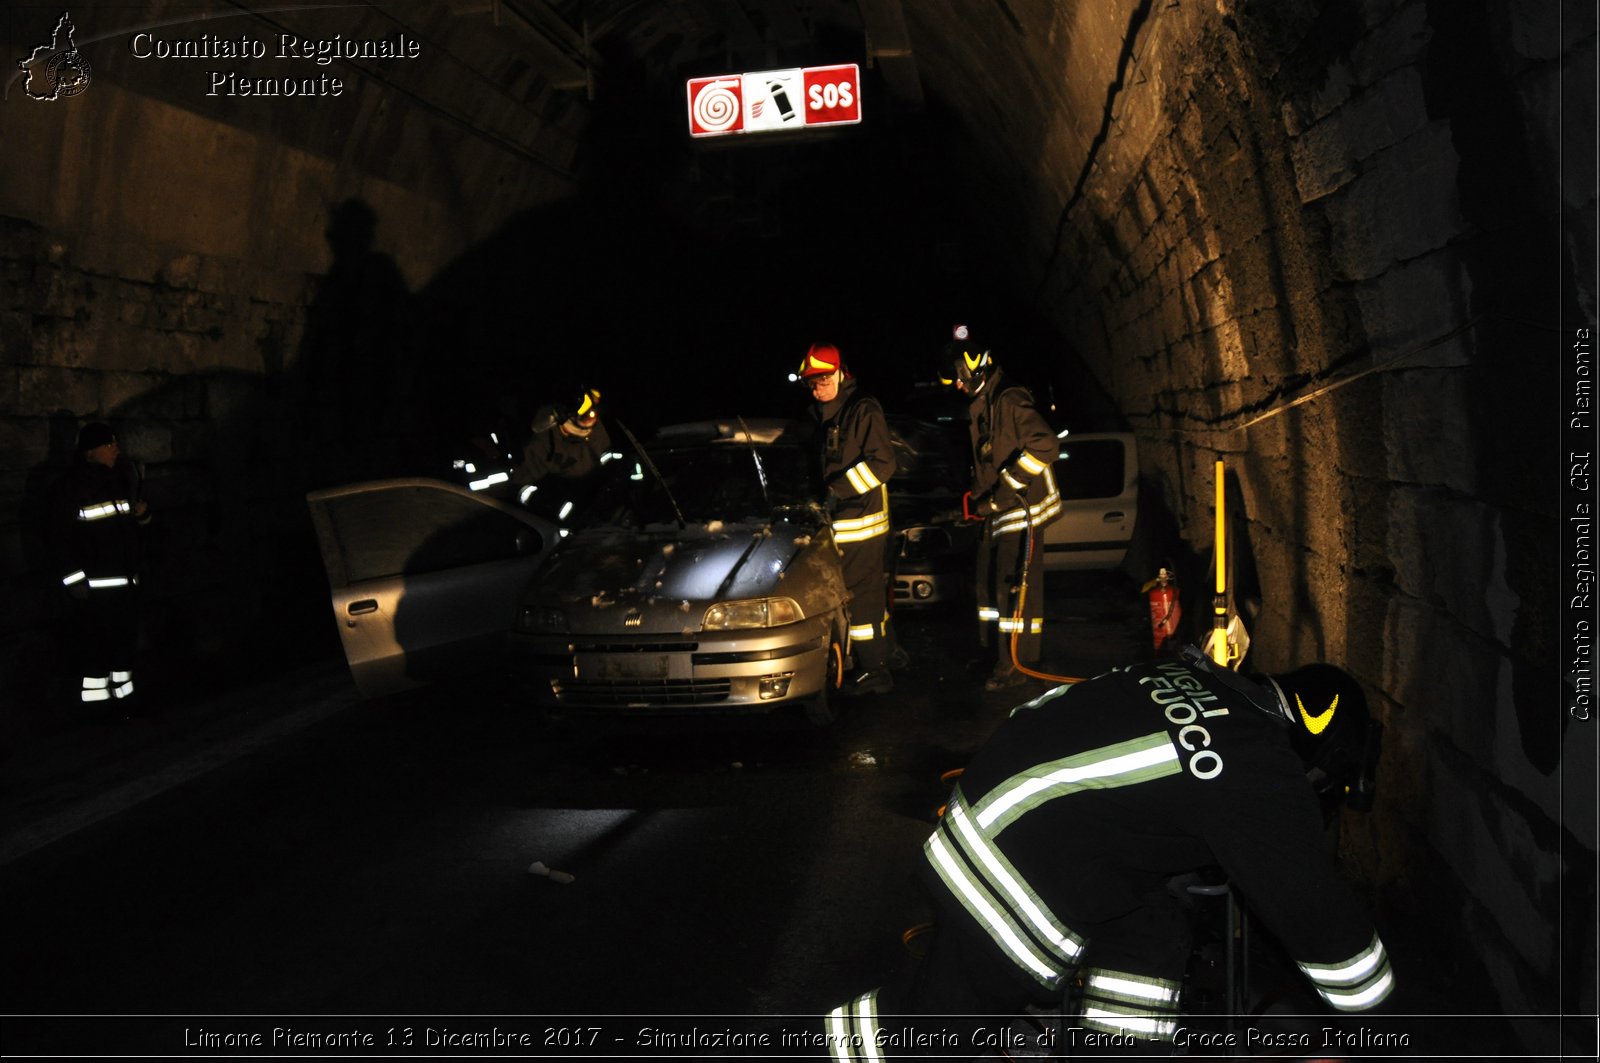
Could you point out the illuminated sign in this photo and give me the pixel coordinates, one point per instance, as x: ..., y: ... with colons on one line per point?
x: 774, y: 100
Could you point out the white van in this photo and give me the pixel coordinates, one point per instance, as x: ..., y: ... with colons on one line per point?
x: 1098, y: 475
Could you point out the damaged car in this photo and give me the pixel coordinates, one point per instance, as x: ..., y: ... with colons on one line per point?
x: 706, y: 579
x: 702, y: 577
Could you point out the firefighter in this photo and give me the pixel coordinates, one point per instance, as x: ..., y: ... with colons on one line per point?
x: 1014, y: 494
x: 853, y: 458
x: 1053, y: 865
x: 98, y: 516
x: 568, y: 443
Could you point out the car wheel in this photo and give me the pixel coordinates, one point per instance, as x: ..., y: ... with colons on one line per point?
x: 824, y: 708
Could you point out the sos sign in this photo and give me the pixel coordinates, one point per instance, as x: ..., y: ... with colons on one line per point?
x: 775, y: 100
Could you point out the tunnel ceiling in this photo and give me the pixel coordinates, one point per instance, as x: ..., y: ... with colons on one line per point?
x: 665, y: 39
x: 979, y: 119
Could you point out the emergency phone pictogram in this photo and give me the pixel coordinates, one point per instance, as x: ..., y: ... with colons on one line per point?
x: 766, y: 100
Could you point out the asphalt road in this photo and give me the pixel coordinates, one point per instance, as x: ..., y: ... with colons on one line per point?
x: 291, y: 851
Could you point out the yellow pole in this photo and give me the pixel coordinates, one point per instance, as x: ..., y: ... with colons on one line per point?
x: 1222, y: 536
x: 1219, y: 604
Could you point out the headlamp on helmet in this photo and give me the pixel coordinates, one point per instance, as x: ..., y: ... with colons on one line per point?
x: 965, y: 361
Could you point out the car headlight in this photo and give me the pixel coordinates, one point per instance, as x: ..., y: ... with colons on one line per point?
x: 756, y: 612
x: 539, y: 618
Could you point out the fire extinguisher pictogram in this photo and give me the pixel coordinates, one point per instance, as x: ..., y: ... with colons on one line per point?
x: 1165, y: 611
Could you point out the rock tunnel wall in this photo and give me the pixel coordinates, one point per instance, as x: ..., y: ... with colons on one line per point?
x: 198, y: 268
x: 1329, y: 245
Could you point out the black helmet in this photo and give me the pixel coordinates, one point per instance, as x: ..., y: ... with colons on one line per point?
x: 965, y: 360
x: 1330, y: 728
x: 95, y: 434
x: 580, y: 422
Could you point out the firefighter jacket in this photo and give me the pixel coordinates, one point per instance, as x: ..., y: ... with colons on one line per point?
x: 853, y: 458
x: 1013, y: 454
x: 98, y: 537
x: 1097, y: 794
x: 554, y: 452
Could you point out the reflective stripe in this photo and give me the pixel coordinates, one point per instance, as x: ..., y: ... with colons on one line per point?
x: 77, y: 577
x: 862, y: 632
x: 1110, y: 1021
x: 95, y: 695
x: 102, y: 510
x: 1137, y: 760
x: 855, y: 529
x: 1030, y: 464
x: 95, y: 682
x: 1363, y: 998
x: 1020, y: 485
x: 113, y: 581
x: 489, y: 481
x: 123, y: 691
x: 1031, y: 627
x: 986, y: 613
x: 1354, y: 984
x: 1131, y: 988
x: 121, y: 677
x: 855, y: 1026
x: 861, y: 477
x: 1044, y: 510
x: 999, y: 899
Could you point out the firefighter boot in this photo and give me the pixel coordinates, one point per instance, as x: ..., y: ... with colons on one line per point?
x: 872, y: 674
x: 1006, y: 675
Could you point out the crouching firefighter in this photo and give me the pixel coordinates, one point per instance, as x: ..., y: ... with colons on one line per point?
x: 1052, y: 864
x: 98, y: 515
x: 853, y: 458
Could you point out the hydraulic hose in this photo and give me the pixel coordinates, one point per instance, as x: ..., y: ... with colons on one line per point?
x: 1022, y: 597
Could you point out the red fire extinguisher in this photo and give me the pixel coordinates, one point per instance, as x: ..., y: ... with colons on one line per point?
x: 1164, y: 608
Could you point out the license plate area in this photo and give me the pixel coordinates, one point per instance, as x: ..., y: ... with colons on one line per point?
x: 603, y: 667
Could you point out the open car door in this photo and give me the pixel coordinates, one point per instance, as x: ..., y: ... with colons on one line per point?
x: 427, y: 578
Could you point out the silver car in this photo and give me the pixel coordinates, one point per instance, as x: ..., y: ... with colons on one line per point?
x: 703, y: 579
x: 699, y: 577
x: 427, y: 578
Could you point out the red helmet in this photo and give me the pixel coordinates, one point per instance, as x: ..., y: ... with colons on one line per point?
x: 821, y: 360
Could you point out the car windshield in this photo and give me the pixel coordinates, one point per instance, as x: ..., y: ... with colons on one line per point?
x: 711, y: 482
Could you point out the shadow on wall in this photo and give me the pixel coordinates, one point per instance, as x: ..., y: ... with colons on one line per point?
x: 234, y: 588
x: 41, y: 596
x: 360, y: 413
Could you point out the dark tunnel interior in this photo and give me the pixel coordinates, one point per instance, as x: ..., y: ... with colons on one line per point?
x: 1345, y: 247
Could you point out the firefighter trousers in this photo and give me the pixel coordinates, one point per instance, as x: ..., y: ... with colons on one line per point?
x: 105, y: 636
x: 863, y: 568
x: 1001, y: 560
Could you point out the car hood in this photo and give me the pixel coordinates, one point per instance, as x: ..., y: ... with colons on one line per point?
x: 661, y: 580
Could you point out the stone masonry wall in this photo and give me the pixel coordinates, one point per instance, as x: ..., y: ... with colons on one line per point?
x: 1356, y: 201
x: 175, y: 264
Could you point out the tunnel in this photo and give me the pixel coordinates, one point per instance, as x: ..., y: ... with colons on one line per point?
x: 1344, y: 247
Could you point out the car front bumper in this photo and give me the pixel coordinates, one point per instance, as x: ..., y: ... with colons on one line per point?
x: 704, y: 672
